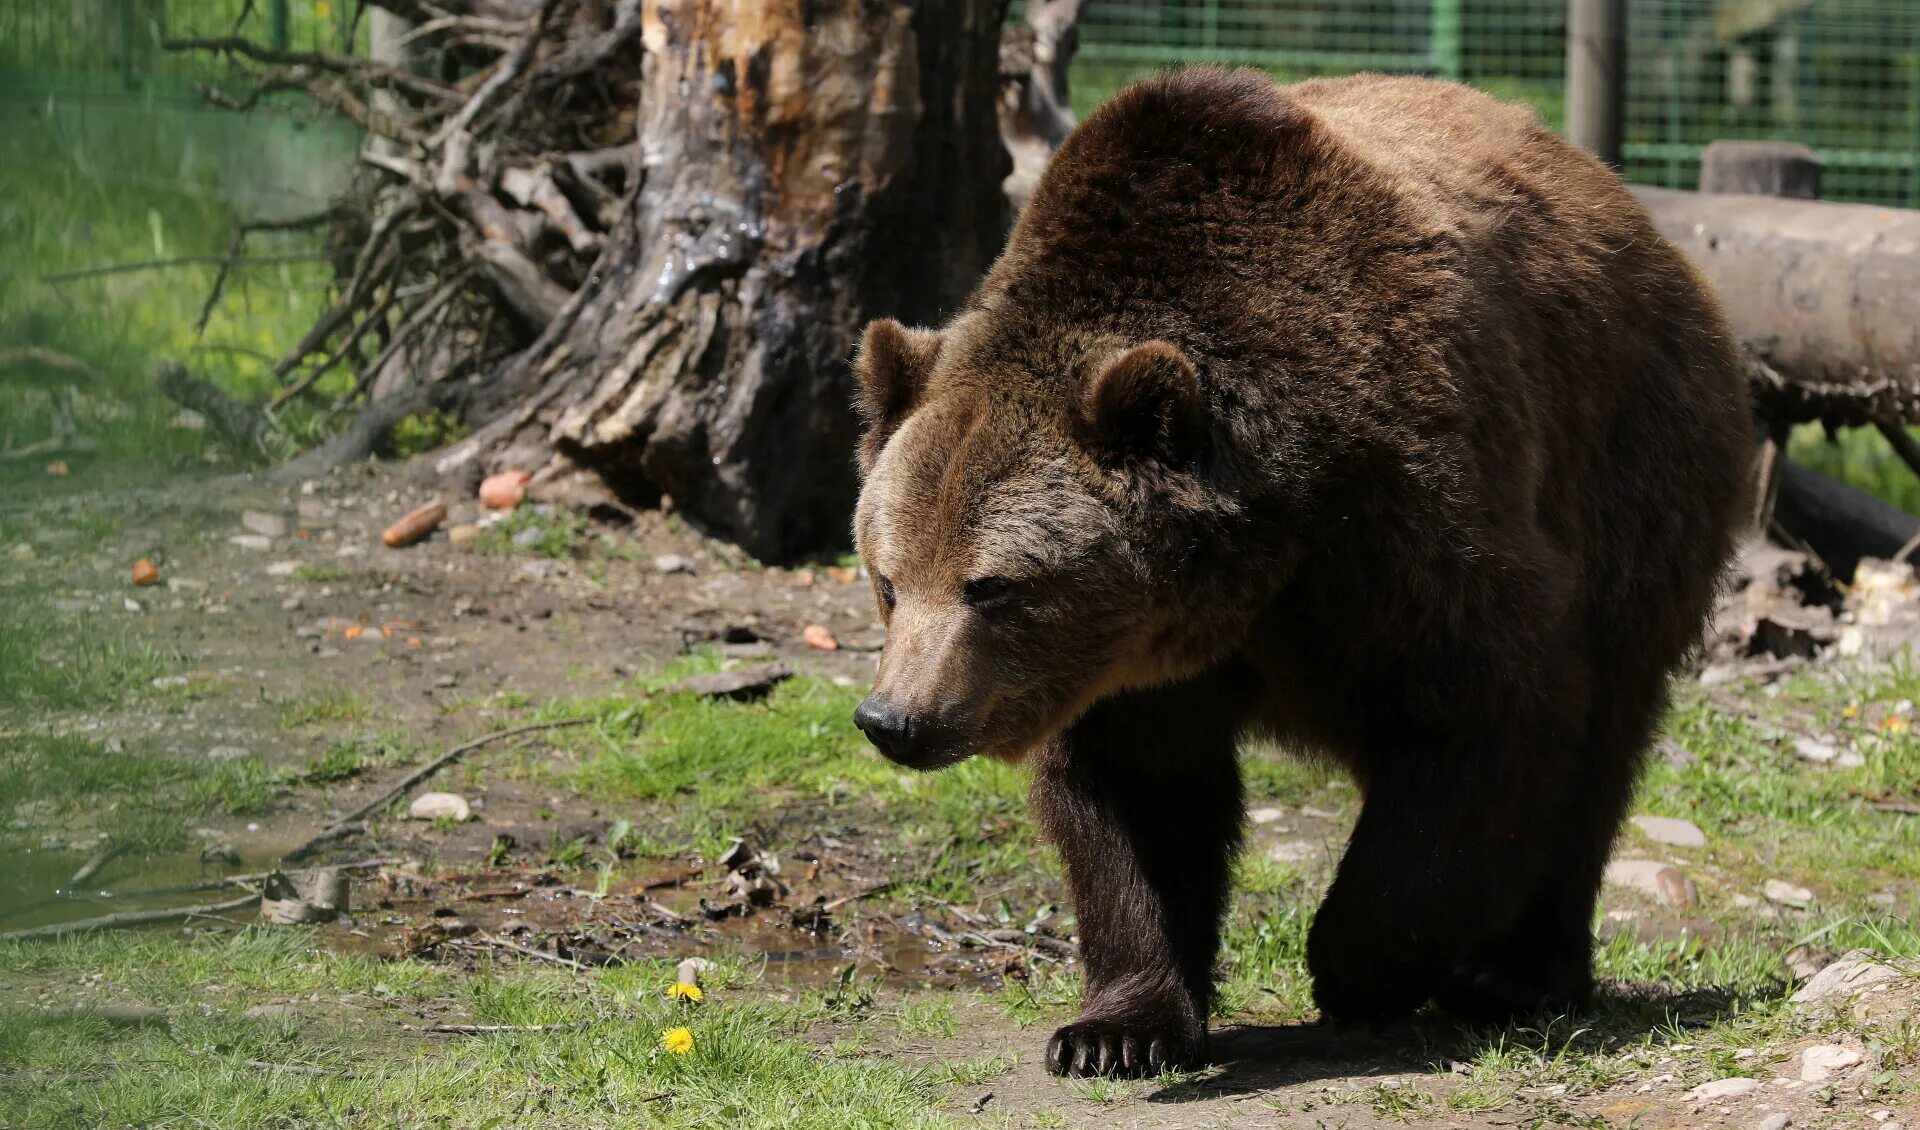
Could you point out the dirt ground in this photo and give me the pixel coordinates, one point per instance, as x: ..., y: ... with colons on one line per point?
x: 281, y: 628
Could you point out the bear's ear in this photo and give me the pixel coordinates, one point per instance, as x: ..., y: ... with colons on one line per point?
x: 1145, y: 403
x: 889, y: 372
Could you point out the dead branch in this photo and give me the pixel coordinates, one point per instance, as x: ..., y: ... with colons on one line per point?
x: 241, y: 426
x: 418, y: 775
x: 312, y: 377
x: 72, y: 367
x: 487, y: 1029
x: 367, y: 70
x: 527, y: 951
x: 181, y: 261
x: 534, y: 188
x: 503, y: 73
x: 129, y: 918
x: 93, y: 864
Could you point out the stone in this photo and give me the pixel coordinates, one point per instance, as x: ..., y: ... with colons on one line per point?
x: 1265, y: 815
x: 1815, y: 750
x: 1292, y: 852
x: 1661, y: 880
x: 1822, y: 1062
x: 672, y: 563
x: 262, y: 523
x: 259, y: 543
x: 1786, y: 894
x: 464, y: 536
x: 742, y: 685
x: 438, y: 806
x: 1855, y: 972
x: 1724, y: 1089
x: 1670, y: 830
x: 1773, y: 1122
x: 819, y: 637
x: 283, y: 568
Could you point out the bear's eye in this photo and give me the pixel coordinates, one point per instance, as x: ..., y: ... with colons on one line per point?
x: 886, y: 591
x: 987, y: 593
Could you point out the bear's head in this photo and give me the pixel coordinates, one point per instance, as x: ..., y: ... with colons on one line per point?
x: 1011, y: 496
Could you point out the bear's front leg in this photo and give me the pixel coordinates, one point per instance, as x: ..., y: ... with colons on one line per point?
x: 1142, y: 798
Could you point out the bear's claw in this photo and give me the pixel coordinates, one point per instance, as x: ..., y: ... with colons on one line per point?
x: 1123, y: 1047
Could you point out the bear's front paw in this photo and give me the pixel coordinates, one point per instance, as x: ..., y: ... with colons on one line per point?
x: 1121, y: 1045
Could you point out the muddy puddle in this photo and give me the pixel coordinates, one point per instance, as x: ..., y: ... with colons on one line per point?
x: 38, y: 887
x: 580, y: 920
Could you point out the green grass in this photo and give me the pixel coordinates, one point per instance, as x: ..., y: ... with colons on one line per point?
x: 73, y: 203
x: 330, y: 704
x: 1861, y: 458
x: 751, y: 1064
x: 549, y: 531
x: 142, y: 801
x: 705, y: 771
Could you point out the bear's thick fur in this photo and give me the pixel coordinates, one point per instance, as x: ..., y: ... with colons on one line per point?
x: 1363, y: 413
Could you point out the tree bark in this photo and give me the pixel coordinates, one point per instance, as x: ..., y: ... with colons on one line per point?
x: 803, y: 169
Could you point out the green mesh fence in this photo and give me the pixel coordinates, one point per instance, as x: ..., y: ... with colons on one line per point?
x: 1840, y: 75
x: 113, y: 46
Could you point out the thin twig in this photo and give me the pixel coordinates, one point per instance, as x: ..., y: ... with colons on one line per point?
x: 876, y: 889
x: 507, y: 70
x: 235, y: 244
x: 484, y: 1029
x: 182, y: 261
x: 297, y: 1069
x: 236, y: 881
x: 319, y: 61
x: 312, y: 378
x: 93, y: 865
x: 502, y: 943
x: 130, y: 918
x: 49, y: 359
x: 410, y: 780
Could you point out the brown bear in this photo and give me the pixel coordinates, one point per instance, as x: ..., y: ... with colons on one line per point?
x: 1364, y: 414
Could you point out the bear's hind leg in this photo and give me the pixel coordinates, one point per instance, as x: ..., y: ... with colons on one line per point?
x: 1545, y: 961
x: 1142, y: 798
x: 1450, y: 841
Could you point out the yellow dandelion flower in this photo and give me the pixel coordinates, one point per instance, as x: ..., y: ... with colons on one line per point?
x: 679, y: 1041
x: 1895, y: 724
x: 682, y: 991
x: 1852, y: 710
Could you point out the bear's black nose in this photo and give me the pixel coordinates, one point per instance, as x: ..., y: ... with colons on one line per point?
x: 890, y: 730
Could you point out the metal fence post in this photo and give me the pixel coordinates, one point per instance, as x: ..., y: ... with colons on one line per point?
x: 1596, y: 75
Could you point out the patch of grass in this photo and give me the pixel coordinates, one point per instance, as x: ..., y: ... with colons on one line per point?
x: 50, y: 662
x: 68, y: 203
x: 750, y: 1066
x: 425, y: 431
x: 330, y: 704
x: 550, y: 531
x: 708, y: 769
x: 319, y: 573
x: 139, y: 800
x: 1859, y: 457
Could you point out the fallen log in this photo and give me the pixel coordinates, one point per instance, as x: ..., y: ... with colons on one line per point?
x: 1826, y: 297
x: 1842, y: 524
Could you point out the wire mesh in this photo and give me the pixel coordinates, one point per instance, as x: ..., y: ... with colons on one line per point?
x: 115, y: 46
x: 1840, y: 75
